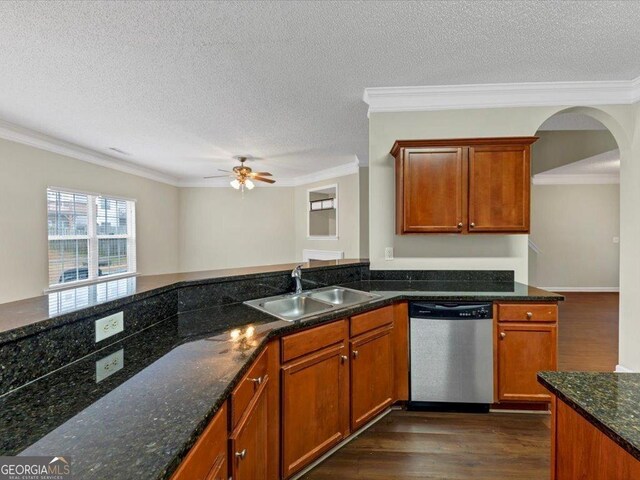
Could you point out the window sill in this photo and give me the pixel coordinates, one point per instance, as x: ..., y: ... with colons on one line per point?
x: 82, y: 283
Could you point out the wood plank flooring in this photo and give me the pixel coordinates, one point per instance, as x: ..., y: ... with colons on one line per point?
x: 588, y: 332
x: 451, y: 446
x: 429, y: 446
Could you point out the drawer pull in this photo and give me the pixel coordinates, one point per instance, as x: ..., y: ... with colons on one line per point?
x: 529, y: 315
x: 355, y: 354
x: 242, y: 454
x: 503, y: 335
x: 257, y: 381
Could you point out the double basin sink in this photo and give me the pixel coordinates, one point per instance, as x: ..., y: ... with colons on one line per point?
x: 292, y: 307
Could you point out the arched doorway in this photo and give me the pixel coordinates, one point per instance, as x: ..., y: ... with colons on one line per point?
x: 575, y: 231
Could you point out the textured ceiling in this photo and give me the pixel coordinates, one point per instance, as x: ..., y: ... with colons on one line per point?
x: 182, y: 86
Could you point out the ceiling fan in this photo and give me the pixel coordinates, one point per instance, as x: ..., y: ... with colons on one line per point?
x: 243, y: 176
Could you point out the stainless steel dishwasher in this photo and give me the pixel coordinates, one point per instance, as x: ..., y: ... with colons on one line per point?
x: 451, y: 356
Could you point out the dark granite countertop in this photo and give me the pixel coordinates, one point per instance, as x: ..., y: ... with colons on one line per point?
x: 610, y: 401
x: 26, y: 317
x: 456, y: 291
x: 142, y: 420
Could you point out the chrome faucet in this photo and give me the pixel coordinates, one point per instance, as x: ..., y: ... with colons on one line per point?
x: 297, y: 274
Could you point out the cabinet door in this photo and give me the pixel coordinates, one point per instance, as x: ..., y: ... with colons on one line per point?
x: 315, y: 406
x: 499, y: 188
x: 371, y: 375
x: 249, y: 441
x: 433, y: 190
x: 208, y: 457
x: 523, y: 351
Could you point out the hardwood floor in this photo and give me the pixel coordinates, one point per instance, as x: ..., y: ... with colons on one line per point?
x: 448, y: 446
x: 427, y: 446
x: 588, y: 332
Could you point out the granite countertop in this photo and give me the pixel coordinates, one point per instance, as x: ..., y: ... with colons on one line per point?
x: 142, y: 420
x: 610, y: 401
x: 35, y: 314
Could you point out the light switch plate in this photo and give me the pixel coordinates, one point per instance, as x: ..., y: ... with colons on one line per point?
x: 109, y: 365
x: 109, y: 326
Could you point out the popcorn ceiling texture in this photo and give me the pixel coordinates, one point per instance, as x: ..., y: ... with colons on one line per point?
x: 182, y: 86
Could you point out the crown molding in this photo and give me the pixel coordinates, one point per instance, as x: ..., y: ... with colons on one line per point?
x: 319, y: 176
x: 500, y: 95
x: 577, y: 179
x: 26, y: 136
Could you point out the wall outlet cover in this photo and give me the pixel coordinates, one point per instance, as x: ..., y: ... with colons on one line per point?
x: 109, y: 326
x: 388, y: 253
x: 109, y: 365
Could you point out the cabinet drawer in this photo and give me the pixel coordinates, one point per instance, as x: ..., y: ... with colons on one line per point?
x: 312, y: 340
x: 366, y: 322
x: 527, y: 312
x: 248, y: 387
x: 208, y: 457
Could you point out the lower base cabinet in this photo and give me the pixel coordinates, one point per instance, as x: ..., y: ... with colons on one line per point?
x: 315, y: 396
x: 580, y: 451
x: 525, y: 343
x: 371, y: 375
x: 249, y: 441
x: 207, y: 460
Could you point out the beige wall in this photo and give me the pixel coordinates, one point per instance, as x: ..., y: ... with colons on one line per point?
x: 364, y: 212
x: 556, y: 148
x: 220, y: 228
x: 574, y: 226
x: 348, y: 239
x: 25, y: 174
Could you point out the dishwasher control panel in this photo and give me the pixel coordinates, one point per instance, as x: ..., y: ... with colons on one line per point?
x: 450, y: 311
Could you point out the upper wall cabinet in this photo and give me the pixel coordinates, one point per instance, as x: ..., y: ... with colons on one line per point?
x: 471, y: 185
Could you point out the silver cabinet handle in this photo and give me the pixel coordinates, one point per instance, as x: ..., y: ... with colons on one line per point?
x: 472, y: 224
x: 355, y: 354
x: 242, y: 454
x: 257, y: 381
x: 460, y: 225
x: 529, y: 314
x: 343, y: 358
x: 502, y: 334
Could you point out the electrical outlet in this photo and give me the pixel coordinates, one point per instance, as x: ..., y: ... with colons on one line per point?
x: 109, y: 326
x: 109, y: 365
x: 616, y: 239
x: 388, y: 253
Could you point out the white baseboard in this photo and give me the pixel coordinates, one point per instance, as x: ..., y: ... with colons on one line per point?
x: 581, y: 289
x: 623, y: 369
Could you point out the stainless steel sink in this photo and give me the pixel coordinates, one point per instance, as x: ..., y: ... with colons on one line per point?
x: 294, y: 307
x: 341, y: 296
x: 291, y: 307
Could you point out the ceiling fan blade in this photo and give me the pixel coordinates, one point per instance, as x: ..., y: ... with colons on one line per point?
x: 262, y: 179
x: 219, y: 176
x: 261, y: 174
x: 220, y: 170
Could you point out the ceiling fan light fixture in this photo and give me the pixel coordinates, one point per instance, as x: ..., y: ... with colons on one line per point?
x: 235, y: 183
x: 249, y: 184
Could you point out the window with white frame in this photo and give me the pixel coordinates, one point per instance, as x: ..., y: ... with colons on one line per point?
x: 90, y: 236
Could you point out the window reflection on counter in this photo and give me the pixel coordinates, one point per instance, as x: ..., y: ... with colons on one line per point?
x: 66, y: 301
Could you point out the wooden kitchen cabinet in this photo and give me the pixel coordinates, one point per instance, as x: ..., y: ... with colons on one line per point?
x: 477, y: 185
x: 579, y: 450
x: 499, y: 188
x: 315, y: 394
x: 524, y: 349
x: 207, y: 460
x: 371, y: 374
x: 249, y: 441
